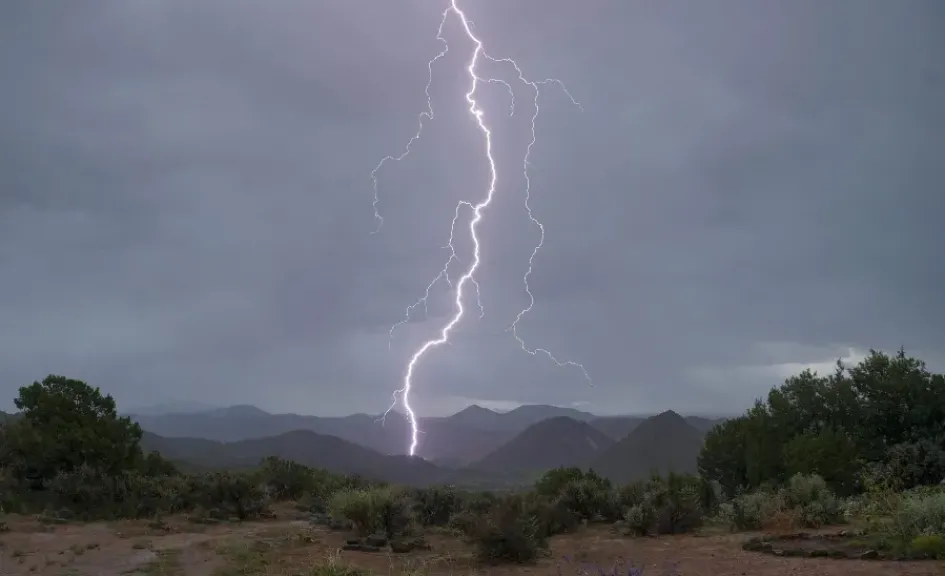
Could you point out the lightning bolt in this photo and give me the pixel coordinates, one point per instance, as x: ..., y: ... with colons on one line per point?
x: 476, y: 210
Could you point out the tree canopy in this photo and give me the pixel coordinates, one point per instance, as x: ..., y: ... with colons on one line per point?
x: 65, y: 424
x: 882, y: 420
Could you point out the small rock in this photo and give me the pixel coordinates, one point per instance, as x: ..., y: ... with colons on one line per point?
x: 869, y: 555
x: 376, y: 540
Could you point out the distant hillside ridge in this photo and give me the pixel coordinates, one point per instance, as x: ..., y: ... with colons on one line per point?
x: 302, y: 446
x: 551, y: 443
x: 619, y: 427
x: 513, y: 421
x: 662, y: 443
x: 459, y: 440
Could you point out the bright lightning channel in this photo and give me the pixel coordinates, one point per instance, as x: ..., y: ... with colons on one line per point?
x: 476, y: 210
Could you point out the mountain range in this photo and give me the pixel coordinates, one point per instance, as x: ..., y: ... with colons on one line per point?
x: 474, y: 447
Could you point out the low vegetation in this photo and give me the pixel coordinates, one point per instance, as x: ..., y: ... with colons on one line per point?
x: 863, y: 448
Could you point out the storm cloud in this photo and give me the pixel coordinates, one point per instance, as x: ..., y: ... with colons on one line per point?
x: 186, y: 203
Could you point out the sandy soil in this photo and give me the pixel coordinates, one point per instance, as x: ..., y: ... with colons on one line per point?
x: 293, y: 547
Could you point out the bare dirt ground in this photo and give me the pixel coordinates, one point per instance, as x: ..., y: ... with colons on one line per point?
x: 293, y: 547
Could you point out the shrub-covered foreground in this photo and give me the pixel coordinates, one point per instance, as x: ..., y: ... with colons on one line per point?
x: 70, y: 456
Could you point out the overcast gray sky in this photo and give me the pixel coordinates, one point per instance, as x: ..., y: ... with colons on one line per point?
x: 186, y: 207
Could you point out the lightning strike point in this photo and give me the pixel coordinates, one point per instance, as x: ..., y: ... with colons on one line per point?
x: 403, y: 394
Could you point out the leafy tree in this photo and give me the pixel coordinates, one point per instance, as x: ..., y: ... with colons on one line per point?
x: 553, y: 482
x: 885, y: 415
x: 723, y: 457
x: 829, y: 453
x: 67, y: 424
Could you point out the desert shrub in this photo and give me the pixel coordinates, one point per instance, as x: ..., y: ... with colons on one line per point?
x: 813, y: 503
x: 805, y: 502
x: 553, y: 516
x: 324, y: 485
x: 553, y: 482
x: 372, y: 510
x: 913, y: 519
x: 357, y: 506
x: 589, y: 498
x: 585, y: 495
x: 394, y: 510
x: 235, y: 494
x: 750, y: 511
x: 640, y: 519
x: 286, y: 479
x: 927, y: 546
x: 478, y: 502
x: 678, y: 502
x: 632, y: 494
x: 510, y: 532
x: 663, y: 506
x: 436, y: 505
x: 90, y: 494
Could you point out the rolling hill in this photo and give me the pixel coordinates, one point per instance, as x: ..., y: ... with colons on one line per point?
x: 302, y: 446
x: 663, y: 443
x: 557, y: 441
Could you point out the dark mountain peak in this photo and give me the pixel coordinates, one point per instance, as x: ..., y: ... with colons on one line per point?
x: 668, y: 416
x: 664, y: 420
x: 550, y: 443
x: 475, y: 409
x: 547, y: 410
x: 661, y: 443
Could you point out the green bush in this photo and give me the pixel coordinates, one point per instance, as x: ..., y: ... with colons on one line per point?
x: 435, y: 506
x: 750, y: 511
x: 812, y: 501
x: 285, y: 479
x: 373, y: 510
x: 928, y: 546
x: 640, y: 519
x: 476, y: 502
x: 663, y: 506
x: 553, y: 516
x: 590, y: 499
x: 916, y: 515
x: 805, y: 502
x: 553, y: 482
x: 510, y: 532
x: 235, y: 494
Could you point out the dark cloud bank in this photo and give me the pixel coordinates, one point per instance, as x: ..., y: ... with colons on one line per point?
x: 185, y: 201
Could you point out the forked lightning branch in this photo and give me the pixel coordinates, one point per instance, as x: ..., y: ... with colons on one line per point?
x: 475, y: 211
